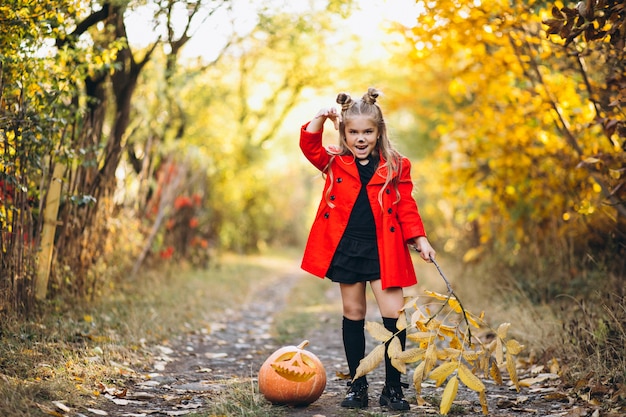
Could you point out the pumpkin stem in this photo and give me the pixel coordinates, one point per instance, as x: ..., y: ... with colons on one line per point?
x: 303, y: 344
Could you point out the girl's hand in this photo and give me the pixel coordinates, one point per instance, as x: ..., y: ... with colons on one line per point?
x: 329, y: 113
x: 426, y: 251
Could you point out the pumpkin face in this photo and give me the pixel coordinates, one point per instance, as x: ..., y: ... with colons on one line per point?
x: 292, y: 376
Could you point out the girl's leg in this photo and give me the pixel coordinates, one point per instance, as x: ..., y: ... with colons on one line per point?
x: 353, y: 331
x: 353, y: 328
x: 353, y: 300
x: 390, y: 301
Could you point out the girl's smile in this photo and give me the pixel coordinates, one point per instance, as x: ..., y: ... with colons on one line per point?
x: 361, y: 136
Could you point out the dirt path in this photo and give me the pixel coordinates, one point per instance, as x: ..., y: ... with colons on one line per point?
x: 195, y: 369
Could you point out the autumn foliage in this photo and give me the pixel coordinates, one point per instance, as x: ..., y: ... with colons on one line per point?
x: 524, y: 100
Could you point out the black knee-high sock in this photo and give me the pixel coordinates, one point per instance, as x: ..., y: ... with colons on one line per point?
x: 392, y: 375
x: 354, y: 343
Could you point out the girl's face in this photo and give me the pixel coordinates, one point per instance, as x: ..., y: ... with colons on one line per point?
x: 361, y: 136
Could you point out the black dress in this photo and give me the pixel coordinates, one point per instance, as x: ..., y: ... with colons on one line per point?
x: 356, y: 258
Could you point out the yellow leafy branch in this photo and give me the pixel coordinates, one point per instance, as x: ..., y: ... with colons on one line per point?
x: 444, y: 351
x: 450, y: 295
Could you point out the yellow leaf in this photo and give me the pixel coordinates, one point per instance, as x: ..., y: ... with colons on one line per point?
x: 436, y: 295
x: 371, y: 361
x: 421, y: 326
x: 554, y: 366
x: 514, y: 347
x: 447, y: 330
x: 401, y: 323
x: 430, y: 358
x: 483, y: 363
x: 419, y: 337
x: 471, y: 320
x: 502, y: 330
x: 342, y: 375
x: 442, y: 372
x: 494, y: 371
x: 448, y: 353
x: 499, y: 351
x: 455, y: 305
x: 418, y: 377
x: 470, y: 380
x: 482, y: 396
x: 434, y: 324
x: 511, y: 368
x: 378, y: 331
x: 411, y: 355
x: 449, y: 394
x: 471, y: 355
x: 392, y: 351
x: 455, y: 343
x: 417, y: 315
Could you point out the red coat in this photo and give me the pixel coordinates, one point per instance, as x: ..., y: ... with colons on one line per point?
x: 396, y: 223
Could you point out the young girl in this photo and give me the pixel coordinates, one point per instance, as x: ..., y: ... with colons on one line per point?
x: 365, y: 220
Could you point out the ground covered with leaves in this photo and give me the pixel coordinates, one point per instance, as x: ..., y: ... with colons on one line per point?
x: 208, y: 365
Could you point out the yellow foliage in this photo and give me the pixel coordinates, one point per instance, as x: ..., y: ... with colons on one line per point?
x: 411, y: 355
x: 469, y: 379
x: 449, y: 394
x: 378, y: 331
x: 419, y: 337
x: 442, y: 372
x: 494, y: 371
x: 514, y: 347
x: 418, y: 377
x: 483, y: 402
x: 371, y: 361
x: 393, y: 351
x: 519, y: 169
x: 512, y: 370
x: 502, y: 330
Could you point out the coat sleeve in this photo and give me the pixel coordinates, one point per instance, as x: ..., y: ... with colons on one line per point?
x: 312, y: 148
x: 408, y: 212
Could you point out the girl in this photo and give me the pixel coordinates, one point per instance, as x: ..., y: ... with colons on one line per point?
x: 365, y: 220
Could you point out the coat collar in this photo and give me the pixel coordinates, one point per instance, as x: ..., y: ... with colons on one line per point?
x: 348, y: 163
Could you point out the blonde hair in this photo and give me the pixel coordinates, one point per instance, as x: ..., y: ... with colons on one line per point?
x: 366, y: 106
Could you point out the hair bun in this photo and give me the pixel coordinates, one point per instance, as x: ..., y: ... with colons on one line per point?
x: 345, y: 100
x: 371, y: 95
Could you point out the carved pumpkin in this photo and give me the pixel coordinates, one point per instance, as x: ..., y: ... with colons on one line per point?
x: 292, y: 376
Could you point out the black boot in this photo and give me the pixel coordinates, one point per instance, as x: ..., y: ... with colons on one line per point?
x: 393, y: 398
x: 354, y: 345
x: 392, y: 395
x: 356, y: 397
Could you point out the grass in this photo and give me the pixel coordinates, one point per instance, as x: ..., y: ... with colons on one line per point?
x: 65, y: 350
x: 243, y: 400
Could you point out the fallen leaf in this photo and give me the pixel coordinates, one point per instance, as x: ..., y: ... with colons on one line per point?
x: 527, y: 382
x: 61, y: 406
x: 49, y: 411
x: 217, y: 355
x: 98, y: 412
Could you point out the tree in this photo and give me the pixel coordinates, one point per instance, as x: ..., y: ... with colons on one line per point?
x: 35, y: 119
x: 520, y: 137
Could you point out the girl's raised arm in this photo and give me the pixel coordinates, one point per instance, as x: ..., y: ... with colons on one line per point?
x: 318, y: 121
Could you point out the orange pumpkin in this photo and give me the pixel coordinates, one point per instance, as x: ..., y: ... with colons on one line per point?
x: 292, y: 376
